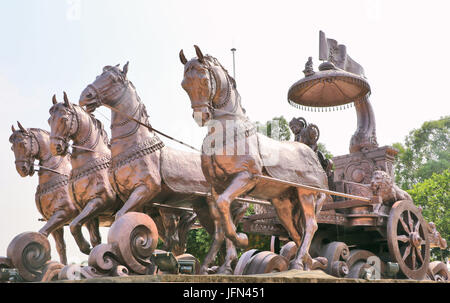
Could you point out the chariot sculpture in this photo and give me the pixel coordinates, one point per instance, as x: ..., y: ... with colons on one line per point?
x: 344, y: 215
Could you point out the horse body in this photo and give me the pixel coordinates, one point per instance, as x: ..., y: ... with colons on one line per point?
x: 52, y: 194
x: 233, y: 156
x: 89, y: 185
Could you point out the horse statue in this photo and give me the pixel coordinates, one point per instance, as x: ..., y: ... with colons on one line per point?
x: 89, y: 185
x: 52, y: 194
x: 234, y: 155
x: 143, y: 170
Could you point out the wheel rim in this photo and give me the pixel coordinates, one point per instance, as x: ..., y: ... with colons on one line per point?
x: 408, y: 239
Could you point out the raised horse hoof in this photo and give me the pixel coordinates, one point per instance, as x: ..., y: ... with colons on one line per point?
x: 85, y: 248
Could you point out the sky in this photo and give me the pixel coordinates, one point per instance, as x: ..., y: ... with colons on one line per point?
x: 51, y: 46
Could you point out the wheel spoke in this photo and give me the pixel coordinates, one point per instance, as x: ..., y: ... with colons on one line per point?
x: 416, y: 228
x: 413, y: 257
x: 405, y: 227
x: 407, y: 251
x: 419, y: 254
x: 403, y: 238
x: 410, y: 221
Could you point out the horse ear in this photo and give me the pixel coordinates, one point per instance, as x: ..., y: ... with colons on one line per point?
x: 21, y: 127
x: 125, y: 68
x: 12, y: 128
x: 199, y: 54
x: 182, y: 57
x: 66, y: 101
x: 54, y: 100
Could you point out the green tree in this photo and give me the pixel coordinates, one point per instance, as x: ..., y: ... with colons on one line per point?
x: 433, y: 195
x: 277, y: 128
x: 321, y: 147
x: 425, y: 151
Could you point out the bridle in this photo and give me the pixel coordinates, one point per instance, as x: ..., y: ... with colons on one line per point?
x: 29, y: 157
x: 31, y: 154
x: 65, y: 137
x: 213, y: 94
x: 99, y: 95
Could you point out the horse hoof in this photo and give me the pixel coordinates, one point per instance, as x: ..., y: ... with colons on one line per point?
x: 212, y: 270
x: 85, y: 248
x: 225, y: 270
x: 203, y: 270
x: 296, y: 265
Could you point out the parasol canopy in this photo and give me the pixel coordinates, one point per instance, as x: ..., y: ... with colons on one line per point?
x: 330, y: 87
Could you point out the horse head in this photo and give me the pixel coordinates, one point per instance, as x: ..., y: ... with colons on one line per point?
x: 107, y: 88
x: 208, y: 85
x: 26, y: 148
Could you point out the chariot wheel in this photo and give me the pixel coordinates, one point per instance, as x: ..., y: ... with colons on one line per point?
x: 243, y: 261
x: 408, y: 240
x: 266, y: 262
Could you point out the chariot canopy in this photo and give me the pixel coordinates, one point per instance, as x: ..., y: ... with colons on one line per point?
x: 338, y: 83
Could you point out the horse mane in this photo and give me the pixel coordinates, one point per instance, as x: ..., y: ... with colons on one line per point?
x: 97, y: 123
x: 213, y: 61
x: 18, y: 131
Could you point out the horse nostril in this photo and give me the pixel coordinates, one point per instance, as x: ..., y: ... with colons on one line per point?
x: 24, y: 169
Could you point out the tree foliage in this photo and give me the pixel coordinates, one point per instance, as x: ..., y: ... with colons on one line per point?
x: 425, y: 151
x: 277, y: 128
x: 423, y: 169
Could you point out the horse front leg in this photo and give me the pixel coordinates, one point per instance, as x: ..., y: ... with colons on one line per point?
x: 141, y: 195
x: 94, y: 231
x: 209, y: 219
x: 58, y: 219
x: 58, y: 235
x: 285, y: 213
x: 92, y: 209
x: 238, y: 210
x: 241, y: 184
x: 307, y: 202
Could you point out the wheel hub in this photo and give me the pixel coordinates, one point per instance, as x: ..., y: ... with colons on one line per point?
x: 415, y: 239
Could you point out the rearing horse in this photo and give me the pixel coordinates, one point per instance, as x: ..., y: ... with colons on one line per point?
x: 233, y: 155
x: 143, y: 170
x: 52, y: 194
x: 89, y: 185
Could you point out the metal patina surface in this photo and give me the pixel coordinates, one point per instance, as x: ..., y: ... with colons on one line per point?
x: 136, y: 170
x: 213, y: 95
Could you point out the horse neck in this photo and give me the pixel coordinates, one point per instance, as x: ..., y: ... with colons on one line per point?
x: 45, y: 158
x: 124, y: 132
x: 89, y: 133
x: 232, y: 109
